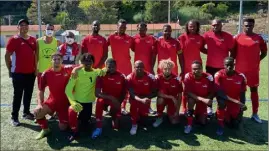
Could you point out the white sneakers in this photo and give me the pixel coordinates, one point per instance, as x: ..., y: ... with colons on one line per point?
x: 133, y: 129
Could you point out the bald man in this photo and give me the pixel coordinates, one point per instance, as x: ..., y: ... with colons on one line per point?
x: 142, y: 88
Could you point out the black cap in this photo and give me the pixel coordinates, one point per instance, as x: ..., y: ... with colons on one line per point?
x: 23, y: 21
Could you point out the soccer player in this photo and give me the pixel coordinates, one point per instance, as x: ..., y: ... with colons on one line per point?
x: 22, y: 48
x: 231, y: 88
x: 169, y: 93
x: 110, y: 90
x: 168, y: 47
x: 219, y: 43
x: 56, y: 79
x: 199, y: 91
x: 70, y: 49
x: 80, y: 92
x: 142, y: 88
x: 249, y: 50
x: 46, y: 46
x: 121, y: 44
x: 144, y: 47
x: 191, y: 44
x: 96, y: 45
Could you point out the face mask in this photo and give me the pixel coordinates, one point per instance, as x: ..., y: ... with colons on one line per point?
x: 49, y: 33
x: 69, y: 40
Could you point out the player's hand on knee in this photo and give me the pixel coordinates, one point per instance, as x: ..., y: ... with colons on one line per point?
x: 244, y: 107
x: 77, y: 106
x: 37, y: 111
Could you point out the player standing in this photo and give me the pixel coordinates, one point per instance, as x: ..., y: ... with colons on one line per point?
x: 144, y: 47
x: 199, y: 92
x: 46, y: 46
x: 169, y: 93
x: 70, y: 49
x: 219, y: 43
x: 191, y: 43
x: 168, y: 47
x: 230, y: 89
x: 249, y: 50
x: 22, y: 48
x: 110, y: 90
x: 142, y: 88
x: 96, y: 45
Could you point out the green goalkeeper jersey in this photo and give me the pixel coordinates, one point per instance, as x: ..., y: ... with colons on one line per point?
x: 82, y: 88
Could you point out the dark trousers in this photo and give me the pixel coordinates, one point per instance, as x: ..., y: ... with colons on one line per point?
x: 85, y: 115
x: 23, y: 84
x: 212, y: 70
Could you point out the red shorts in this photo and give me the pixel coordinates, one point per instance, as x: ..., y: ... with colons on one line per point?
x: 139, y: 108
x: 100, y: 103
x: 232, y: 110
x: 171, y: 108
x: 60, y: 109
x: 252, y: 78
x: 39, y: 80
x: 200, y: 108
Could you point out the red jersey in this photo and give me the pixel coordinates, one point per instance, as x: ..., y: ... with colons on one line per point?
x: 141, y: 86
x: 168, y: 49
x: 201, y: 87
x: 23, y: 54
x: 231, y: 85
x: 248, y: 49
x: 120, y: 48
x: 191, y: 45
x: 96, y: 45
x: 112, y: 84
x: 143, y: 48
x: 56, y: 82
x: 171, y: 86
x: 218, y: 48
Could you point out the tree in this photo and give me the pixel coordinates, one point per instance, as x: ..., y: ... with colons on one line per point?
x: 48, y: 11
x: 156, y: 11
x: 104, y: 11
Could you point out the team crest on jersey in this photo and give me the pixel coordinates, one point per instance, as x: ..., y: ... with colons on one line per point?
x: 166, y: 83
x: 229, y: 79
x: 65, y: 74
x: 110, y: 78
x: 221, y: 40
x: 100, y: 41
x: 22, y: 43
x: 148, y: 42
x: 178, y: 78
x: 173, y: 86
x: 198, y: 42
x: 146, y: 83
x: 118, y: 82
x: 256, y: 41
x: 127, y: 41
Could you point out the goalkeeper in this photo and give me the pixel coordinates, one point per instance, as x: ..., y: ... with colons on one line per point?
x: 80, y: 91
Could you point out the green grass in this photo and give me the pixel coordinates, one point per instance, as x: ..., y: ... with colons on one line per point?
x: 250, y: 136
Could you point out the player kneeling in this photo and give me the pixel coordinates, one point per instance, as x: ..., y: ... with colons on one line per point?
x: 110, y: 91
x: 199, y: 90
x: 80, y: 91
x: 231, y: 88
x: 142, y: 88
x: 56, y: 79
x: 170, y: 91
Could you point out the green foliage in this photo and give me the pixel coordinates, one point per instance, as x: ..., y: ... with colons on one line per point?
x: 138, y: 17
x: 208, y: 8
x: 221, y: 10
x: 191, y: 12
x: 156, y: 11
x: 105, y: 11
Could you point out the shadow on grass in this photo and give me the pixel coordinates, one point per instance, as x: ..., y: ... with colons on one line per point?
x: 161, y: 137
x: 248, y: 132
